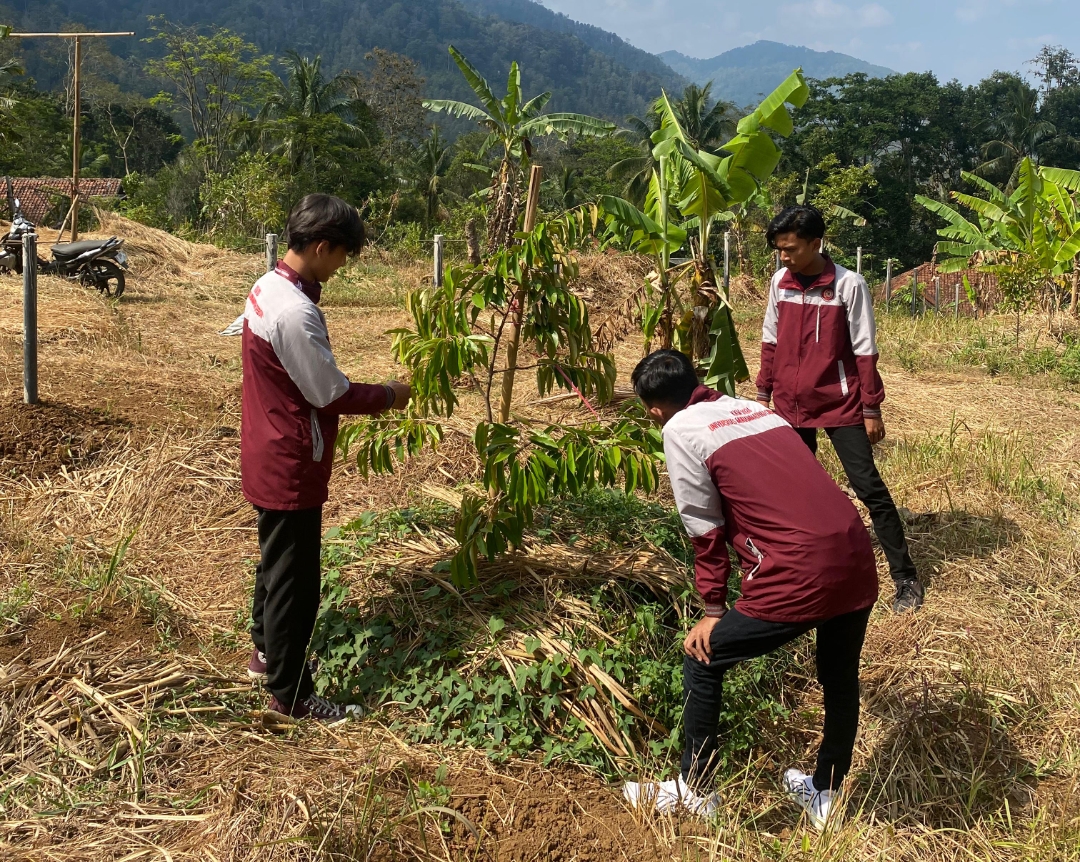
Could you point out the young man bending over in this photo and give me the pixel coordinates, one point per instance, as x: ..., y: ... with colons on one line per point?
x: 742, y: 477
x: 293, y: 394
x: 819, y: 369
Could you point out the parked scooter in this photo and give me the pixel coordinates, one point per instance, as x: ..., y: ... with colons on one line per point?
x: 95, y: 263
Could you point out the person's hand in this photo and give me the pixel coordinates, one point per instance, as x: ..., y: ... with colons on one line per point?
x: 875, y: 429
x: 697, y: 644
x: 402, y: 394
x: 764, y: 404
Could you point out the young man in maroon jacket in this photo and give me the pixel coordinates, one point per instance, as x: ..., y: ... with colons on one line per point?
x: 293, y: 394
x: 742, y: 478
x: 819, y: 369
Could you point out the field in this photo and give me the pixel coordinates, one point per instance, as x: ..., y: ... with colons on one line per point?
x: 128, y: 729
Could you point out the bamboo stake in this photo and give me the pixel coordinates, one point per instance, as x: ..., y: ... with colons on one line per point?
x: 513, y: 335
x: 76, y: 144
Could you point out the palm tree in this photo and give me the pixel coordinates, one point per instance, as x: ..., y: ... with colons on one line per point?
x: 1020, y: 134
x: 707, y: 126
x: 512, y: 124
x: 430, y: 166
x: 302, y: 106
x: 636, y: 171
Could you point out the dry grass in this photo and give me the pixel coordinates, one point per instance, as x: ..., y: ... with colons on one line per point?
x: 146, y: 742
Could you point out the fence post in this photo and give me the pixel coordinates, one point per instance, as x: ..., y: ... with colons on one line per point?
x: 727, y: 261
x: 30, y: 340
x: 937, y: 294
x: 957, y: 300
x: 438, y: 259
x: 888, y: 282
x: 271, y: 251
x: 858, y: 260
x: 776, y: 257
x: 915, y: 292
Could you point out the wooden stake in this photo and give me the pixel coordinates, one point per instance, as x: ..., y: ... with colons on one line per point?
x: 76, y: 145
x: 888, y: 282
x: 30, y: 339
x: 438, y: 260
x: 513, y: 333
x: 271, y: 251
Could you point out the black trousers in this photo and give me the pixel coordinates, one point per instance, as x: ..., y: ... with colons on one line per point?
x: 856, y: 454
x: 738, y: 638
x: 286, y: 601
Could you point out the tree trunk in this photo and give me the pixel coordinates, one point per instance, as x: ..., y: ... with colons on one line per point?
x: 513, y: 334
x: 503, y: 216
x: 1075, y: 285
x: 472, y: 242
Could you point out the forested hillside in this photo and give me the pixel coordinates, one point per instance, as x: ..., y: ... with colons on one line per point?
x: 611, y: 83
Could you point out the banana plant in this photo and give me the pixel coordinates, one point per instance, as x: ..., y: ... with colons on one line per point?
x: 702, y: 189
x: 512, y: 123
x: 1034, y: 231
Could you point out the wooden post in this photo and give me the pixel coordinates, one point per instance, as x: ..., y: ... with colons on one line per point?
x: 727, y: 262
x: 915, y: 292
x: 888, y: 282
x: 76, y: 144
x: 858, y: 260
x: 958, y: 300
x: 776, y: 258
x: 30, y: 341
x: 516, y: 311
x: 271, y: 251
x: 437, y: 260
x: 937, y: 294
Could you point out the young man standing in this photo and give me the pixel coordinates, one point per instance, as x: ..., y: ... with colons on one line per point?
x: 742, y: 477
x: 819, y: 369
x: 293, y: 394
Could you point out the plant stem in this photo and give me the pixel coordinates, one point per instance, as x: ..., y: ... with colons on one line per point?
x: 513, y: 334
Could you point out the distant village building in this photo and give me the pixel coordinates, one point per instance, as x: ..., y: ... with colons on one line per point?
x: 45, y: 200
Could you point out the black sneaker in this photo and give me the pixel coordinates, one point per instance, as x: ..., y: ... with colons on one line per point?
x: 318, y: 708
x: 909, y: 596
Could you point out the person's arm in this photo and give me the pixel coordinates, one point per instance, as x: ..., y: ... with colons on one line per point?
x: 303, y: 347
x: 699, y: 505
x: 863, y: 333
x: 768, y: 348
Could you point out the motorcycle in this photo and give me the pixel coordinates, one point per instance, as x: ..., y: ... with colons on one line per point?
x: 94, y: 263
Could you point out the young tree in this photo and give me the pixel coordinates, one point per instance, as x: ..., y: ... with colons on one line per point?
x: 1056, y: 67
x: 214, y: 80
x: 429, y: 169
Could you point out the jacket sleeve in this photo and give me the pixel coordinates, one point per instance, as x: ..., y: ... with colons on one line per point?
x: 768, y: 346
x: 302, y: 345
x: 863, y: 333
x: 366, y: 398
x: 698, y: 501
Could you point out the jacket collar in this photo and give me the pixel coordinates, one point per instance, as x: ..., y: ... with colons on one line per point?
x: 828, y: 275
x: 311, y: 289
x: 702, y: 394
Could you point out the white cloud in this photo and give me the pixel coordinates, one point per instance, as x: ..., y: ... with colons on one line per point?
x: 875, y: 15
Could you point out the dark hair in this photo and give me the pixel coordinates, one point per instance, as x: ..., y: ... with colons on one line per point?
x: 665, y: 377
x: 324, y: 217
x: 805, y: 221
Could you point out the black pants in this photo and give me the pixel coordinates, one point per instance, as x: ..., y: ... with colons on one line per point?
x: 738, y: 638
x: 286, y: 600
x: 856, y: 454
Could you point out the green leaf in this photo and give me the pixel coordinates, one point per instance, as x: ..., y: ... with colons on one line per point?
x: 496, y: 625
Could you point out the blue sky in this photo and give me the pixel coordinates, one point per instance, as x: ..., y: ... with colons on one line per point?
x: 965, y: 39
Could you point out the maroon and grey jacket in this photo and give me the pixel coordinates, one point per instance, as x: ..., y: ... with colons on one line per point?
x: 293, y: 393
x: 819, y: 350
x: 742, y: 477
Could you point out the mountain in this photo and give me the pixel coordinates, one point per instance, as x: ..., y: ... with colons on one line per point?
x: 585, y: 68
x: 745, y: 75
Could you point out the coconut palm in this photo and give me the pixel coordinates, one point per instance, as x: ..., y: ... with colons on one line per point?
x: 301, y: 108
x: 706, y: 125
x: 430, y: 166
x: 637, y: 171
x: 512, y: 124
x: 1020, y: 133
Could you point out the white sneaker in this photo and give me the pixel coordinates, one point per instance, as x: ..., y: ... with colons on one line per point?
x: 666, y: 796
x: 816, y: 803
